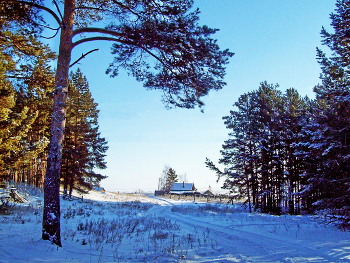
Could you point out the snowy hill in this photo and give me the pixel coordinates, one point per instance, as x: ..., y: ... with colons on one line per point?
x: 109, y: 227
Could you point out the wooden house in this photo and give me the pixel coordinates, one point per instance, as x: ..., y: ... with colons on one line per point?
x: 182, y: 188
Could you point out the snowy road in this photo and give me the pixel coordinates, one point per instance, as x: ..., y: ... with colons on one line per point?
x: 267, y: 239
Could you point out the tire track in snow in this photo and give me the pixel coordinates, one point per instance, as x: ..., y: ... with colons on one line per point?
x: 253, y: 247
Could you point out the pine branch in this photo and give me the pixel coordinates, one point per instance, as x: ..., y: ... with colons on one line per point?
x: 93, y: 8
x: 115, y: 40
x: 212, y: 167
x: 125, y: 7
x: 53, y: 35
x: 40, y: 7
x: 94, y: 39
x: 82, y: 56
x: 48, y: 27
x: 54, y: 1
x: 96, y: 30
x: 15, y: 77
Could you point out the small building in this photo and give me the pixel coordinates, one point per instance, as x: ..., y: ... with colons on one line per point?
x: 182, y: 188
x: 208, y: 193
x: 99, y: 189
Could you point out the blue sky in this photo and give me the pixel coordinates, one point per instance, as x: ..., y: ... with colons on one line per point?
x: 273, y: 40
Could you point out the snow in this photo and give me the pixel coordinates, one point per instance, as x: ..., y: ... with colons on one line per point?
x: 110, y: 227
x: 52, y: 216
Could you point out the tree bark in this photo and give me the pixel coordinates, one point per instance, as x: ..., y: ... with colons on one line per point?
x: 51, y: 215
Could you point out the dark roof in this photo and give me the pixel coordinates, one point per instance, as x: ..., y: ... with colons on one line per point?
x: 208, y: 192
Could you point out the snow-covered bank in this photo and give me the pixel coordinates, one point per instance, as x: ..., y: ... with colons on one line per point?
x: 109, y: 227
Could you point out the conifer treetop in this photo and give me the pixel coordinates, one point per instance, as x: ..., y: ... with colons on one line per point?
x: 160, y: 43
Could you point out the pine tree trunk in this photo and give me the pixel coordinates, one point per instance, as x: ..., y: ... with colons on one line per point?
x: 51, y: 215
x: 65, y: 182
x: 71, y: 185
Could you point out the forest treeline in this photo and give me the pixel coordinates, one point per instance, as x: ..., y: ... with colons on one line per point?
x: 288, y: 154
x: 26, y: 100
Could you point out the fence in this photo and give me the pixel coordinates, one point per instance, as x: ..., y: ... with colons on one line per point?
x: 197, y: 197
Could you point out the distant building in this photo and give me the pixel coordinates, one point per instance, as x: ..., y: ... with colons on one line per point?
x: 208, y: 193
x: 99, y: 189
x: 182, y: 188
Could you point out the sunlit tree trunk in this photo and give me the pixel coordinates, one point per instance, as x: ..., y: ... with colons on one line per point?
x: 51, y: 216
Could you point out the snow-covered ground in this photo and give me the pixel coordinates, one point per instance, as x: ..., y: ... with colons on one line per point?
x: 108, y: 227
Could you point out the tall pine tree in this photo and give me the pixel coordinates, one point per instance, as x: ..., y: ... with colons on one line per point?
x: 159, y: 42
x: 259, y: 157
x: 328, y: 174
x: 32, y: 81
x: 84, y: 149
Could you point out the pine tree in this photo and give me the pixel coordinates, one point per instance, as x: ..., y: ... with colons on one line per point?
x: 259, y: 157
x: 269, y: 104
x: 329, y: 149
x: 24, y: 75
x: 295, y: 110
x: 186, y: 63
x: 171, y: 177
x: 34, y: 90
x: 240, y: 152
x: 14, y: 125
x: 168, y: 177
x: 32, y: 81
x: 84, y: 149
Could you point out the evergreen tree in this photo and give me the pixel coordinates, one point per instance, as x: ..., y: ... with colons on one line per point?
x: 259, y: 157
x: 12, y: 130
x: 293, y: 119
x: 171, y: 177
x: 34, y: 86
x: 32, y: 82
x: 84, y: 149
x: 20, y: 84
x: 269, y: 101
x: 240, y: 152
x: 168, y: 177
x: 329, y: 149
x: 187, y: 63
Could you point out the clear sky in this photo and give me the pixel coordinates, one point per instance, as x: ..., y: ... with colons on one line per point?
x: 273, y: 40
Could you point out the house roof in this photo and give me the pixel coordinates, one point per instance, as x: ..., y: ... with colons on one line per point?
x: 99, y: 189
x: 208, y: 192
x: 182, y: 187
